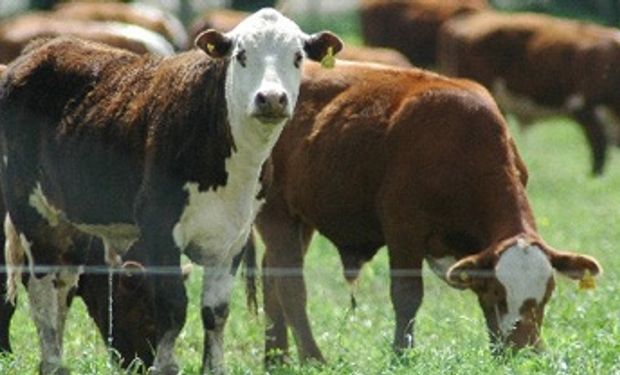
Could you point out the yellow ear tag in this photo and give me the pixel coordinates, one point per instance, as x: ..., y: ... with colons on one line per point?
x: 328, y: 61
x: 210, y: 47
x: 464, y: 276
x: 587, y: 281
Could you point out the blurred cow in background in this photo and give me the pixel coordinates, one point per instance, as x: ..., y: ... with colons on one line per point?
x: 148, y: 17
x: 17, y: 32
x: 539, y: 66
x: 411, y: 26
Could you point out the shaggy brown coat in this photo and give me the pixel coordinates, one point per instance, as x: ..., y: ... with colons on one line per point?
x: 405, y: 158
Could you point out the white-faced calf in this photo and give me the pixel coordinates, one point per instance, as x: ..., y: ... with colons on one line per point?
x: 423, y: 164
x: 160, y: 156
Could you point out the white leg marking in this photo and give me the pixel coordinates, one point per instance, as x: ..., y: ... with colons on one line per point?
x: 217, y: 289
x: 524, y: 271
x: 165, y: 361
x: 48, y: 304
x: 14, y: 254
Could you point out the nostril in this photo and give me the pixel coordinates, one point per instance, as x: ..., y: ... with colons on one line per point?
x: 283, y: 100
x: 261, y: 99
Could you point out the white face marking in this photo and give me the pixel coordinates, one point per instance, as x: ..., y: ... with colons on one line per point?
x: 154, y: 42
x: 270, y: 43
x: 5, y: 159
x: 38, y: 200
x: 524, y: 271
x: 441, y: 265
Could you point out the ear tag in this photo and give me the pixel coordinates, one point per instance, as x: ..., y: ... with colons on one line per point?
x: 210, y: 47
x: 328, y: 61
x: 587, y: 281
x: 464, y: 276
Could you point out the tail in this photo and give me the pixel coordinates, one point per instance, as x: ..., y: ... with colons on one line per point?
x: 14, y: 257
x: 250, y: 269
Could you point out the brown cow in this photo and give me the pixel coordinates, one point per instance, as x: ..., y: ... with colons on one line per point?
x: 423, y: 164
x: 411, y: 26
x: 539, y: 66
x: 17, y: 32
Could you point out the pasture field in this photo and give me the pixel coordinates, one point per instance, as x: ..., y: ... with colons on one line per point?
x: 581, y: 330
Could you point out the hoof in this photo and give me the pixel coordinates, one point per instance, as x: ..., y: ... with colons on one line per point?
x: 52, y: 369
x: 172, y: 369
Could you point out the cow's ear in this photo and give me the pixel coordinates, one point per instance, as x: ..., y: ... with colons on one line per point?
x: 214, y: 43
x: 319, y: 45
x: 466, y: 271
x: 574, y: 265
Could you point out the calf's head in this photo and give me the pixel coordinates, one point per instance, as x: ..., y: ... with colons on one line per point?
x: 266, y: 51
x: 513, y: 282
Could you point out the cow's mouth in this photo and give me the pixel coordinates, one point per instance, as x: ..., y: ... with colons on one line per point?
x: 270, y: 118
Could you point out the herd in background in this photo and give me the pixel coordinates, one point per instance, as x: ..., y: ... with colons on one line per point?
x: 534, y: 65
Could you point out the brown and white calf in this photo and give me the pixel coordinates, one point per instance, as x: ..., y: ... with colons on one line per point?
x: 17, y: 32
x: 539, y: 66
x: 158, y: 156
x: 423, y: 164
x: 411, y: 26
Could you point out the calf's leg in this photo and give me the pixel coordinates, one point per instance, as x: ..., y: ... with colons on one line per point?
x: 286, y: 243
x: 406, y: 289
x: 595, y: 134
x: 218, y: 282
x: 7, y: 308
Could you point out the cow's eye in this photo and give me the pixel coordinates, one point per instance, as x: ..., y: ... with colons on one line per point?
x: 298, y: 58
x: 241, y: 58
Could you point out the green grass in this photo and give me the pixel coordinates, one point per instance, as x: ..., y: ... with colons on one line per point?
x: 581, y: 330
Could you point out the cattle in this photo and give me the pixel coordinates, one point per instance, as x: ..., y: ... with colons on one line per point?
x: 157, y: 156
x: 411, y: 26
x: 226, y: 19
x: 423, y: 164
x: 17, y: 32
x: 143, y: 15
x: 539, y: 66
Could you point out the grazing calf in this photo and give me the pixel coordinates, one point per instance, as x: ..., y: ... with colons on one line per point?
x: 539, y: 66
x: 143, y: 15
x: 157, y: 155
x: 411, y: 26
x: 17, y: 32
x: 423, y: 164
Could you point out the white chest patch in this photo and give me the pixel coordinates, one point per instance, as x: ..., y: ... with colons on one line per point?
x: 215, y: 221
x: 524, y: 271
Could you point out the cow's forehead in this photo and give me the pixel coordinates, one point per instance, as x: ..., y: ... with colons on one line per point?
x: 267, y: 26
x: 525, y: 271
